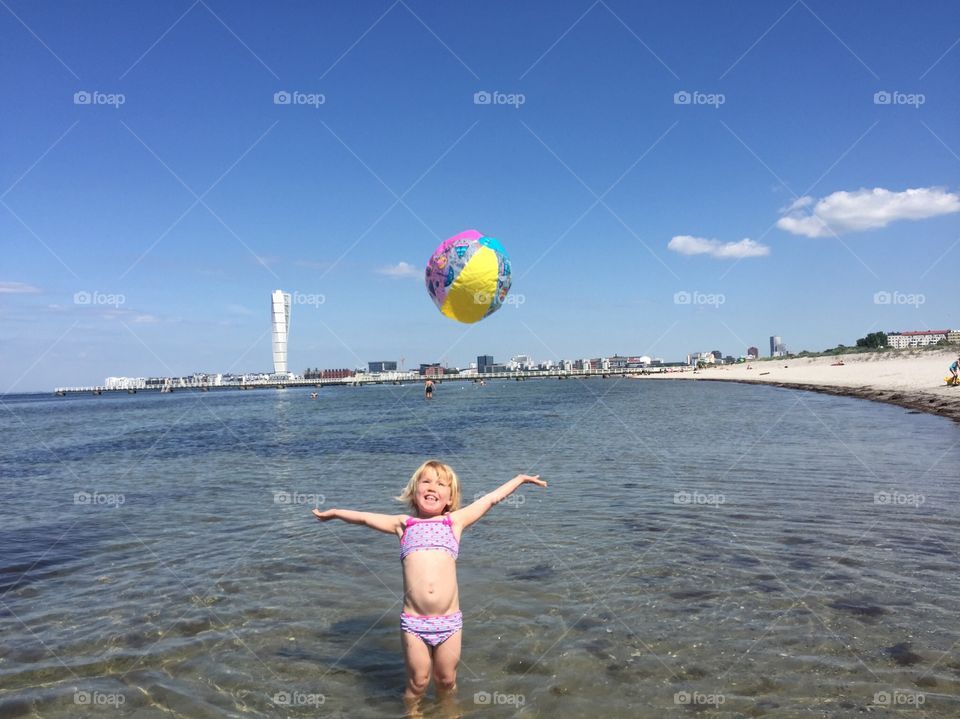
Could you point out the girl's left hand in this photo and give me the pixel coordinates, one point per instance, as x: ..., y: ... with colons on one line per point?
x: 532, y: 479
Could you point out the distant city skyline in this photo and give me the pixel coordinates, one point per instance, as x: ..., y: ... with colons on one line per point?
x: 665, y: 178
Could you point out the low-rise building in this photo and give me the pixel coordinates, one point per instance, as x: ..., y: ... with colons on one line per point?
x: 916, y: 338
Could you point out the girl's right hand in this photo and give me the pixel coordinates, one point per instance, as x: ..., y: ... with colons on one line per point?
x: 324, y: 516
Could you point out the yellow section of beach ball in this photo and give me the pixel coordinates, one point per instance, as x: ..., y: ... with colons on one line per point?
x: 470, y: 295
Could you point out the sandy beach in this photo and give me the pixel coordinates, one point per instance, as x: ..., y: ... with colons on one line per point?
x: 909, y: 378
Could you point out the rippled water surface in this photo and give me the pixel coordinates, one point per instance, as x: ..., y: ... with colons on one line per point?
x: 703, y: 549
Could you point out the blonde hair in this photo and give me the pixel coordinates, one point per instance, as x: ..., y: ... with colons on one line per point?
x: 444, y: 472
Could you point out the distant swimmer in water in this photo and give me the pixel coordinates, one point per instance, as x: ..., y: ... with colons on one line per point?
x: 313, y: 395
x: 428, y: 389
x: 429, y: 537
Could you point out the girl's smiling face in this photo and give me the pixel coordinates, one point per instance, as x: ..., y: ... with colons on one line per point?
x: 433, y: 493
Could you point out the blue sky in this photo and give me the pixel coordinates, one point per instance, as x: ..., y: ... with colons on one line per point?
x: 736, y: 155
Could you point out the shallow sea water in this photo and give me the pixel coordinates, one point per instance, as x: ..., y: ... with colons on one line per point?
x: 703, y: 549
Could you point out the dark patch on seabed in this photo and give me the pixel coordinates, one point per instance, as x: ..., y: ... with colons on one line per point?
x: 694, y: 594
x: 26, y: 557
x: 861, y: 609
x: 903, y: 655
x: 538, y: 571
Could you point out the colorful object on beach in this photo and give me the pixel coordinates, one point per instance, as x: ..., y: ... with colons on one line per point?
x: 468, y: 276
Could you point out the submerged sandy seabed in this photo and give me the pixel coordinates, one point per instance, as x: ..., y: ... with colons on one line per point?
x: 913, y: 379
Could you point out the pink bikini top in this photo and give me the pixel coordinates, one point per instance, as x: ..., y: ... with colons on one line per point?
x: 428, y: 534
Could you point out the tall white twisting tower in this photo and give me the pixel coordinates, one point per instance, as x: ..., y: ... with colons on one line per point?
x: 280, y: 312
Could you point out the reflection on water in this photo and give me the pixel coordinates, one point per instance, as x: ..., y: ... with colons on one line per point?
x: 717, y: 549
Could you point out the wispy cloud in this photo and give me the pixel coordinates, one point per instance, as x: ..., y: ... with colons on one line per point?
x: 314, y: 264
x: 689, y: 245
x: 400, y: 270
x: 266, y: 260
x: 865, y: 209
x: 239, y: 310
x: 17, y: 288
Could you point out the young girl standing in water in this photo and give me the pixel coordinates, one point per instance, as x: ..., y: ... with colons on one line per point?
x: 429, y: 544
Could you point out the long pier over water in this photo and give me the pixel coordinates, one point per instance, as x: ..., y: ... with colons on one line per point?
x: 395, y: 378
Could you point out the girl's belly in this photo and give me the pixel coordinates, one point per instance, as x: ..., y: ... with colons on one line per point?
x: 430, y: 584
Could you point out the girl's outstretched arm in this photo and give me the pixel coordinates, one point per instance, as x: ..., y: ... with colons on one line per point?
x: 472, y: 512
x: 389, y: 523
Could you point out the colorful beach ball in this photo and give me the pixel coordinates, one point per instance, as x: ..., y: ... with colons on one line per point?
x: 468, y: 276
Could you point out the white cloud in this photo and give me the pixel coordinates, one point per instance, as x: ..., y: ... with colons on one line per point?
x: 688, y: 245
x: 400, y: 270
x: 17, y: 288
x: 866, y: 210
x: 797, y: 204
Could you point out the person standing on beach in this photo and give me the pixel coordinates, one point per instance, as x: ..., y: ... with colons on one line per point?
x: 431, y: 622
x: 428, y: 389
x: 954, y: 369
